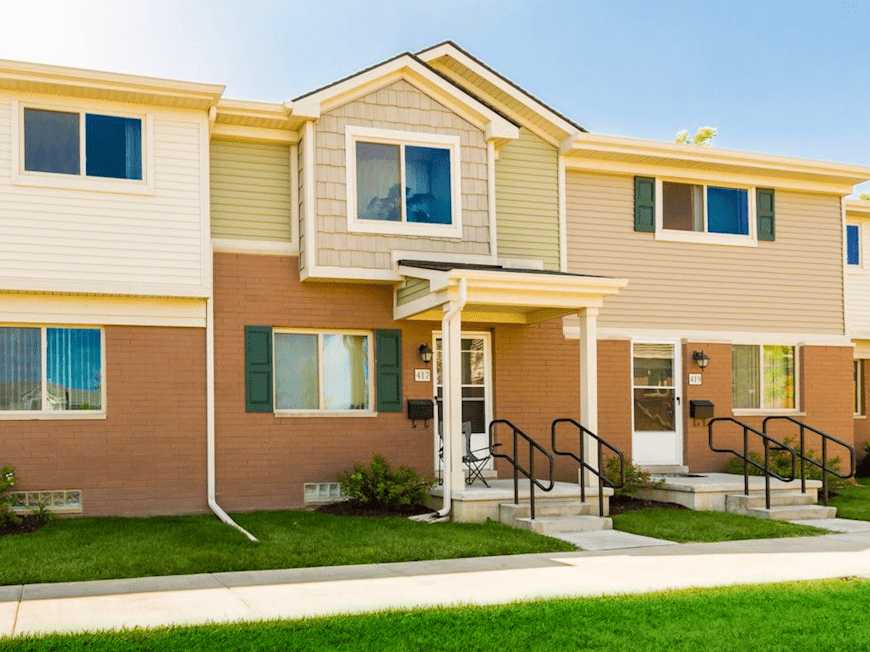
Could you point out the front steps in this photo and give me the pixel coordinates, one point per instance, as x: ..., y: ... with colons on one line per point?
x: 559, y: 519
x: 783, y: 507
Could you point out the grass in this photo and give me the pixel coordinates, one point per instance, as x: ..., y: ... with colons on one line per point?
x: 853, y: 501
x: 797, y: 616
x: 685, y: 526
x: 107, y: 548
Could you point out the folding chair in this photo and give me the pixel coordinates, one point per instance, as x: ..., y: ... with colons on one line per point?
x: 475, y: 464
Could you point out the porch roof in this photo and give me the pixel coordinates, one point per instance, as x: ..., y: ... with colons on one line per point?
x: 495, y: 293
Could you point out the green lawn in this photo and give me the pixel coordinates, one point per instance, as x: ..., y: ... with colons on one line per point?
x: 832, y: 615
x: 105, y: 548
x: 685, y: 525
x: 854, y: 501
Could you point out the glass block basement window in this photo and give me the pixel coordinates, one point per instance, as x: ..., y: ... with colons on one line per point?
x: 67, y: 501
x: 322, y: 492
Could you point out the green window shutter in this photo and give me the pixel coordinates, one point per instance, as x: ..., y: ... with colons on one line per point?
x: 388, y: 349
x: 645, y: 204
x: 258, y: 368
x: 765, y: 209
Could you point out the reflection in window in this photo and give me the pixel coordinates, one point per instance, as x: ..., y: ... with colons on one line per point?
x: 378, y: 181
x: 51, y: 141
x: 20, y: 369
x: 345, y: 372
x: 763, y: 376
x: 427, y: 185
x: 853, y: 244
x: 296, y: 372
x: 74, y: 369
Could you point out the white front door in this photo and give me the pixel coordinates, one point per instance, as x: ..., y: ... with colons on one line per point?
x: 656, y: 403
x: 476, y: 389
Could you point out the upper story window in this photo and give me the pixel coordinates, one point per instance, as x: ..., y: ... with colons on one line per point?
x: 78, y: 143
x: 853, y: 244
x: 704, y: 213
x: 403, y: 183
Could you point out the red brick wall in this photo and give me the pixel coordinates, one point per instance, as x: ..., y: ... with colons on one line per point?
x: 862, y: 426
x: 148, y: 455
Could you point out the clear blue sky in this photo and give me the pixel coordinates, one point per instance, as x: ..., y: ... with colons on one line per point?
x: 785, y: 78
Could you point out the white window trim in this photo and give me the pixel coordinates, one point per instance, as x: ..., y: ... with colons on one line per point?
x: 63, y: 415
x: 859, y: 388
x: 81, y: 181
x: 353, y: 135
x: 860, y: 263
x: 320, y: 412
x: 702, y: 237
x: 763, y: 411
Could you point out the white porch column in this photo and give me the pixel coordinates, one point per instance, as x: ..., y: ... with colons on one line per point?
x: 589, y: 379
x: 451, y: 356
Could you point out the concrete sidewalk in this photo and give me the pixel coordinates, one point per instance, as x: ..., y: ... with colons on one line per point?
x: 256, y: 595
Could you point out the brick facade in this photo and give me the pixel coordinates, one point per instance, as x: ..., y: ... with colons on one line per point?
x: 148, y: 455
x: 862, y: 423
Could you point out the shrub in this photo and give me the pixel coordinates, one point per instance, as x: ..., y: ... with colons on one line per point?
x: 8, y: 517
x: 635, y: 477
x: 863, y: 470
x: 378, y: 485
x: 780, y: 463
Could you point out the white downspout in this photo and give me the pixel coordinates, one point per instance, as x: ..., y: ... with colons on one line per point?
x: 209, y: 408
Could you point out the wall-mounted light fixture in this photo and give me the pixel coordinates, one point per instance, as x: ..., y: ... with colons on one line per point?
x: 701, y: 359
x: 425, y: 353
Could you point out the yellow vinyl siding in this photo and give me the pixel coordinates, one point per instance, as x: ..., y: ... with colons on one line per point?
x: 250, y: 191
x: 412, y: 288
x: 791, y: 285
x: 527, y: 200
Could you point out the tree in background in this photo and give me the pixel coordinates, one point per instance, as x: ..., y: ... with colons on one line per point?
x: 703, y: 136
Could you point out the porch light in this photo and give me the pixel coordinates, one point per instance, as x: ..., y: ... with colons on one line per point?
x: 425, y: 353
x: 701, y: 359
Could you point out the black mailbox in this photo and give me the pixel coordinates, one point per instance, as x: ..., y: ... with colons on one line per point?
x: 701, y: 409
x: 420, y: 409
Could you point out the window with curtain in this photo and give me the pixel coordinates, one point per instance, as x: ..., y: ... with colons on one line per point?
x: 71, y: 379
x: 425, y: 172
x: 702, y: 208
x: 112, y: 144
x: 763, y: 377
x: 853, y: 244
x: 322, y: 371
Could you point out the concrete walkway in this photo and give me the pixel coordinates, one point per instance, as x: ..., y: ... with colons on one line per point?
x: 226, y: 597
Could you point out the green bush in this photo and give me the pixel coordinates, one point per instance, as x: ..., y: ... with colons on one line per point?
x: 780, y: 463
x: 635, y: 477
x: 378, y: 485
x: 8, y: 517
x: 864, y: 465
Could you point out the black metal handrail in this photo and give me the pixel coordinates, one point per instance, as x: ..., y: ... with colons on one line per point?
x: 584, y: 465
x: 805, y: 458
x: 518, y: 468
x: 747, y: 462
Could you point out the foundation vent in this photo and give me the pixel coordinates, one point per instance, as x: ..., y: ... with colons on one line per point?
x: 322, y: 492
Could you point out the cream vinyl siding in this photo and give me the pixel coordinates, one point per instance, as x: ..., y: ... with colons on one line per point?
x: 792, y: 285
x: 399, y: 106
x: 301, y: 198
x: 858, y: 284
x: 95, y: 241
x: 250, y: 191
x: 527, y: 200
x: 412, y: 288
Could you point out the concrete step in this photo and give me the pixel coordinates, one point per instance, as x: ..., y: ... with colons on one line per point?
x: 509, y: 512
x: 793, y: 512
x: 551, y: 524
x: 742, y: 502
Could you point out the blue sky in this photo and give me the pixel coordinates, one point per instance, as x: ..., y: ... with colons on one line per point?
x: 790, y: 78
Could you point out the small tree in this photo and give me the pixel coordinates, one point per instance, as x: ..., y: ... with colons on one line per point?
x: 703, y: 136
x: 865, y: 196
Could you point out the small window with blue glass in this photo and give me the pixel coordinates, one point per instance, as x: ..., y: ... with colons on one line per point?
x: 53, y: 143
x: 853, y: 244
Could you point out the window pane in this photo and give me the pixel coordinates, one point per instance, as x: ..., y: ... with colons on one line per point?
x: 51, y: 141
x: 472, y: 368
x: 378, y: 182
x: 427, y: 185
x: 475, y: 412
x: 74, y: 369
x: 654, y: 410
x: 858, y: 378
x: 345, y: 372
x: 853, y: 244
x: 745, y: 361
x: 296, y: 372
x: 654, y: 365
x: 779, y: 377
x: 20, y: 369
x: 682, y: 206
x: 113, y: 147
x: 727, y: 210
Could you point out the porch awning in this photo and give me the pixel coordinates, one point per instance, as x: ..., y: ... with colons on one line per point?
x: 496, y: 293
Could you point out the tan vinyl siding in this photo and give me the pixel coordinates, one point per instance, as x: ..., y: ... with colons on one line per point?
x: 527, y: 200
x: 411, y: 289
x: 250, y: 191
x: 793, y: 284
x: 399, y: 106
x: 301, y: 213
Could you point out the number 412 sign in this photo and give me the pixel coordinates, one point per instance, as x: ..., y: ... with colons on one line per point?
x: 423, y: 375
